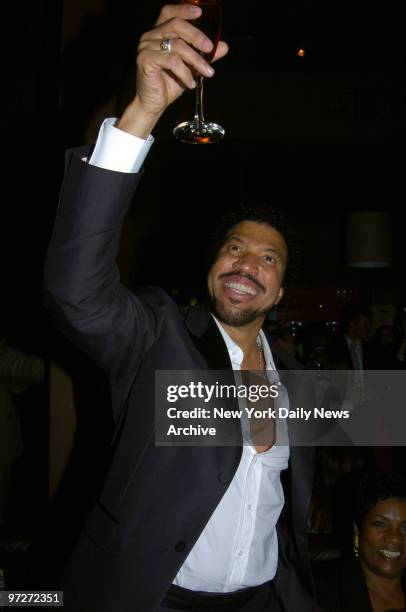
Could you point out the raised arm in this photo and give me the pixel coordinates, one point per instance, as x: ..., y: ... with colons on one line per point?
x: 82, y: 285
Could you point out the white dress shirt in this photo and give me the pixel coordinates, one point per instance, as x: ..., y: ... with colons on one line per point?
x: 238, y: 547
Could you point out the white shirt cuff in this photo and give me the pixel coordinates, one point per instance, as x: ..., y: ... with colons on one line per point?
x: 117, y: 150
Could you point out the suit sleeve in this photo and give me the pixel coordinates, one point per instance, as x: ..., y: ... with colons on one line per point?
x: 81, y: 283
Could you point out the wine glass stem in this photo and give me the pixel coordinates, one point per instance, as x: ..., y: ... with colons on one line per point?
x: 199, y: 118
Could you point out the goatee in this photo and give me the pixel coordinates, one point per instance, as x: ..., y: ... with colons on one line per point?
x: 234, y: 319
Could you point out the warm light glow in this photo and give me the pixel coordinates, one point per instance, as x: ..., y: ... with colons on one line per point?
x: 301, y: 52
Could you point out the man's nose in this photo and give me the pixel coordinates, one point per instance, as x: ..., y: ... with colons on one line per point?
x: 247, y: 262
x: 393, y: 536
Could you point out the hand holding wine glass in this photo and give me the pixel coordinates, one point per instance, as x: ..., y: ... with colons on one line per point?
x: 163, y: 76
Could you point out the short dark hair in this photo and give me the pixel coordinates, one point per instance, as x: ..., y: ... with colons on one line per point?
x: 352, y: 313
x: 259, y: 213
x: 374, y: 487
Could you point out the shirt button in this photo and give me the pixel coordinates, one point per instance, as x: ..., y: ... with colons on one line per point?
x: 249, y: 507
x: 180, y: 546
x: 223, y: 477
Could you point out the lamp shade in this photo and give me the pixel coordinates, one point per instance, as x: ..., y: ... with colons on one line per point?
x: 369, y: 239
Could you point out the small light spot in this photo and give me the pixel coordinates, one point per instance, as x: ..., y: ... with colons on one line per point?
x: 300, y: 52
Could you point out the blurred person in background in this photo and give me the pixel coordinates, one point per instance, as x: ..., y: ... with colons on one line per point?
x: 399, y: 325
x: 18, y: 370
x: 384, y: 349
x: 282, y: 338
x: 349, y: 349
x: 374, y: 579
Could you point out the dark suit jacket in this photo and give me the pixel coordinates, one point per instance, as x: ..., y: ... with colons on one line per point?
x: 340, y: 354
x: 155, y: 500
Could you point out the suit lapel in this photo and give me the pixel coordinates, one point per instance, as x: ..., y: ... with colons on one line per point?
x: 208, y: 340
x: 207, y: 337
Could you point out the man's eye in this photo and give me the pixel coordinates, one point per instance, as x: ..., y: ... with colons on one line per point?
x: 378, y: 523
x: 270, y: 259
x: 234, y: 248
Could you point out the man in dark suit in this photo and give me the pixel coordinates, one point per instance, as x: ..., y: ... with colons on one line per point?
x: 180, y: 527
x: 349, y: 349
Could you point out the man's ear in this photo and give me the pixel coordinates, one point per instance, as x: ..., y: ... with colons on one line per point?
x: 281, y: 291
x: 355, y: 530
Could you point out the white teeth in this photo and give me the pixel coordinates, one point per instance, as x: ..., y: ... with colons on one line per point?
x: 240, y: 287
x: 390, y: 554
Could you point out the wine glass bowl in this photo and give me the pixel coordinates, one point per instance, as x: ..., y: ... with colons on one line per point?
x: 198, y: 130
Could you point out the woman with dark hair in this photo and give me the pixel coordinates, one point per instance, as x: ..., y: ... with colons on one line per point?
x: 375, y: 580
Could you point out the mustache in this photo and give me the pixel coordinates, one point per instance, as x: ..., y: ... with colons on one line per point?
x: 245, y: 275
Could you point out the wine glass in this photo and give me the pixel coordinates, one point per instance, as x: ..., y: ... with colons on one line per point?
x: 200, y: 131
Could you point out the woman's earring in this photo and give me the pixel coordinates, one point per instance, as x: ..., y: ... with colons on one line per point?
x: 355, y: 547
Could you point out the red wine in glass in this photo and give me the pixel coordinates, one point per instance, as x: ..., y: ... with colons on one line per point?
x: 198, y: 130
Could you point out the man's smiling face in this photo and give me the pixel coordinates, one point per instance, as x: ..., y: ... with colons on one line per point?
x: 245, y: 280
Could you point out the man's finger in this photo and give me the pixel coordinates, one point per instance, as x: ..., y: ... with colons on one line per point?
x: 221, y: 51
x: 150, y: 62
x: 184, y: 11
x: 189, y: 56
x: 179, y: 28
